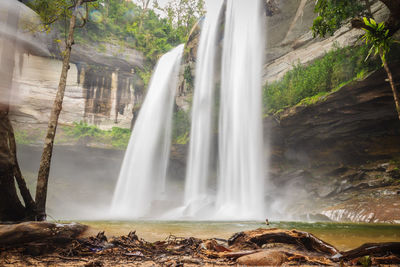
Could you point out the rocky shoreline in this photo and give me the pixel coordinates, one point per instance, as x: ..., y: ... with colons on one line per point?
x: 51, y: 244
x: 368, y: 193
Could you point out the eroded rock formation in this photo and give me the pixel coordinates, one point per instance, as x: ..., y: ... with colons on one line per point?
x: 341, y: 150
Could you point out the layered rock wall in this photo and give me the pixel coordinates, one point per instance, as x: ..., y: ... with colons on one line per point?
x: 97, y: 95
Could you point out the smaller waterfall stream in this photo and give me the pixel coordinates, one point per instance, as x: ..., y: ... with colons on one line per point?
x: 198, y: 170
x: 143, y: 172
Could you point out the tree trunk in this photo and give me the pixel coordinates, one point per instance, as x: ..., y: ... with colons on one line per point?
x: 392, y: 85
x: 11, y: 208
x: 44, y: 170
x: 23, y: 189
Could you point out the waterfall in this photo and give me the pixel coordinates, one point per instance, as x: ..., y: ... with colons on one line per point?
x: 240, y: 186
x: 142, y: 177
x: 198, y: 170
x: 240, y: 174
x: 241, y: 169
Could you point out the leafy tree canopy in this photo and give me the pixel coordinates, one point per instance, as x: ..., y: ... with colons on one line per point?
x: 130, y: 24
x: 332, y: 14
x: 377, y: 36
x: 183, y: 14
x: 55, y: 10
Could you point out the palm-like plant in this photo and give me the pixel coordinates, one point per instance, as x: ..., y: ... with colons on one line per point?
x: 378, y: 37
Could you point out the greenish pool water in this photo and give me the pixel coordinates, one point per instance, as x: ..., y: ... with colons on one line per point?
x: 343, y: 236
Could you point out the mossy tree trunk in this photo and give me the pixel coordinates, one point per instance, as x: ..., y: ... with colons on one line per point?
x: 45, y: 162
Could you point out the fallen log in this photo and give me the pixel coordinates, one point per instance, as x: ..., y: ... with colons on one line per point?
x: 301, y: 240
x: 392, y: 259
x: 372, y: 249
x: 43, y: 232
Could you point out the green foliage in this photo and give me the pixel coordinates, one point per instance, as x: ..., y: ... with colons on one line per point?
x: 130, y: 25
x: 50, y: 11
x: 24, y: 137
x: 56, y: 10
x: 313, y: 99
x: 119, y: 137
x: 116, y: 137
x: 328, y: 73
x: 82, y: 130
x: 127, y: 23
x: 183, y: 14
x: 145, y: 74
x: 181, y: 127
x: 365, y: 261
x: 308, y: 84
x: 187, y: 75
x: 183, y: 139
x: 333, y: 13
x: 377, y: 36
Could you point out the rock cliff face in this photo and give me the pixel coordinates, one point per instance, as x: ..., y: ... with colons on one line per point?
x: 102, y: 87
x: 350, y: 126
x: 340, y: 155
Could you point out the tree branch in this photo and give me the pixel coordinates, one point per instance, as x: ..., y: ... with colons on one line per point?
x: 85, y: 18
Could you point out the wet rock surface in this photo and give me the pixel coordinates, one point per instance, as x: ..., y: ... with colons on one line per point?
x: 367, y: 193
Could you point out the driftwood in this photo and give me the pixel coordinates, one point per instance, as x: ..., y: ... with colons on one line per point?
x: 392, y: 259
x: 42, y: 232
x: 301, y: 240
x: 372, y: 249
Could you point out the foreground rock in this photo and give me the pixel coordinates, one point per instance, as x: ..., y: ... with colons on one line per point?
x: 261, y: 247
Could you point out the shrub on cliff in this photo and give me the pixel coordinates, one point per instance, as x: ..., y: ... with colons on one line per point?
x: 336, y: 68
